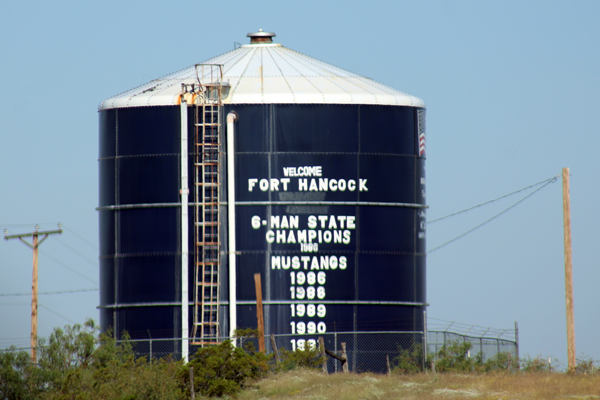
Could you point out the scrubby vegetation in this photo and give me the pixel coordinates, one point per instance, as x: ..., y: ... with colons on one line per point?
x: 456, y: 357
x: 78, y: 363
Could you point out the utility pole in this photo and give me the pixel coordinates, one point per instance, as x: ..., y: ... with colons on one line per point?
x: 34, y: 284
x: 568, y: 271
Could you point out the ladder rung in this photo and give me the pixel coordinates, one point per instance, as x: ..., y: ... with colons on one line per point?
x: 206, y: 263
x: 204, y: 343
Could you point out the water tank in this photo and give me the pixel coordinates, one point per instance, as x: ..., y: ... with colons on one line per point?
x: 323, y: 183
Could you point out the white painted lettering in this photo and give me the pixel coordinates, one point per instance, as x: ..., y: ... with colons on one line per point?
x: 301, y: 236
x: 251, y: 183
x: 333, y: 185
x: 323, y: 184
x: 346, y: 239
x: 295, y: 262
x: 363, y: 185
x: 291, y: 238
x: 305, y: 261
x: 264, y: 185
x: 302, y: 185
x: 350, y: 222
x: 323, y: 220
x: 275, y: 262
x: 270, y: 236
x: 280, y: 236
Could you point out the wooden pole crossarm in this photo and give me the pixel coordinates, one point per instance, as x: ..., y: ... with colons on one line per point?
x: 21, y: 235
x: 44, y: 238
x: 25, y: 242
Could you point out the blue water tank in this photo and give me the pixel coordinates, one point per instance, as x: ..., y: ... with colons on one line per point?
x: 329, y: 182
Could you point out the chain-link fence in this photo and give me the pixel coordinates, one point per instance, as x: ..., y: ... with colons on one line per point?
x: 487, y: 347
x: 365, y: 351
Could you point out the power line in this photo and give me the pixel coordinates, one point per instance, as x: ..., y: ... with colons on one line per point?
x: 552, y: 180
x: 69, y: 268
x: 54, y: 312
x: 81, y: 237
x: 37, y: 223
x: 95, y: 264
x: 57, y: 292
x: 15, y: 349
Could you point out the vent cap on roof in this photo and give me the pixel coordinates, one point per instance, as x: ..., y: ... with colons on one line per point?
x: 261, y: 37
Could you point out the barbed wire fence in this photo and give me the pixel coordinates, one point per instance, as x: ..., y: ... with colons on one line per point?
x: 365, y: 351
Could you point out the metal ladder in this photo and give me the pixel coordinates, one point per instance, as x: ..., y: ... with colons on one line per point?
x: 207, y: 186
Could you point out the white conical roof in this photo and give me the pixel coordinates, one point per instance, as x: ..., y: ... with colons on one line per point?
x: 269, y: 73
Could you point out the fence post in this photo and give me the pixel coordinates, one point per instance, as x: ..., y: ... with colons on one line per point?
x: 517, y: 344
x: 481, y: 348
x: 335, y: 343
x: 498, y: 345
x: 150, y: 349
x: 425, y: 340
x: 345, y: 364
x: 322, y: 346
x: 274, y: 346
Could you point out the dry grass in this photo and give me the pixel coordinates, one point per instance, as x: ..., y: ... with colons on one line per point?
x: 313, y: 385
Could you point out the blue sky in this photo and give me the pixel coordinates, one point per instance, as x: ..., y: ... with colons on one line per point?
x: 512, y: 93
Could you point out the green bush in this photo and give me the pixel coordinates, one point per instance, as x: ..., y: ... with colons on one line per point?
x: 306, y: 358
x: 409, y: 361
x: 537, y: 364
x: 586, y: 365
x: 500, y: 362
x: 223, y: 370
x: 455, y: 357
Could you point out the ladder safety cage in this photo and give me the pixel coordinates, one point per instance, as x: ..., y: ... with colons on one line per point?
x: 207, y: 185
